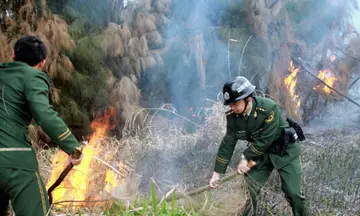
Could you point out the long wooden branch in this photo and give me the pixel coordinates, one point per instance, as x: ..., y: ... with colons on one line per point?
x: 207, y: 187
x: 353, y: 83
x: 81, y: 201
x: 203, y: 188
x: 301, y: 63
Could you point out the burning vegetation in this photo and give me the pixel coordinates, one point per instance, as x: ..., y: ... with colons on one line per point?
x: 324, y: 86
x: 100, y: 172
x: 171, y: 161
x: 290, y: 83
x: 329, y: 79
x: 118, y: 59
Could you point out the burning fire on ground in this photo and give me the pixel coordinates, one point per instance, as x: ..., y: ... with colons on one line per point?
x: 328, y: 77
x: 94, y: 176
x: 325, y: 75
x: 290, y: 83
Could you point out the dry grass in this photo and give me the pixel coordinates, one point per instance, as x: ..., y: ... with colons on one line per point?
x: 126, y: 98
x: 154, y: 38
x: 130, y: 49
x: 5, y: 53
x: 165, y: 152
x: 255, y: 17
x: 163, y: 6
x: 126, y: 48
x: 129, y: 52
x: 54, y: 32
x: 51, y: 29
x: 145, y: 23
x: 147, y: 62
x: 112, y: 41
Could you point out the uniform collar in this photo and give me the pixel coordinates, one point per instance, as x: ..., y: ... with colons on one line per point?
x: 250, y: 111
x: 253, y: 108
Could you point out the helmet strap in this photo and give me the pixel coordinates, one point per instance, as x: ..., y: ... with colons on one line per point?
x: 246, y: 104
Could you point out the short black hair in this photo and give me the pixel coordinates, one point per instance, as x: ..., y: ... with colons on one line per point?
x: 30, y: 50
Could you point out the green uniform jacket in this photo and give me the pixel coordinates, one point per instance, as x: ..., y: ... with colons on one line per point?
x: 262, y: 128
x: 24, y: 95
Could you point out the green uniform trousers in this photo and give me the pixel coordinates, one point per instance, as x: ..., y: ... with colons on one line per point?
x: 291, y: 180
x: 25, y: 190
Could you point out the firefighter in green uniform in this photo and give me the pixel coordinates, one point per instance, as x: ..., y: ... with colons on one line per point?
x: 272, y: 144
x: 24, y: 95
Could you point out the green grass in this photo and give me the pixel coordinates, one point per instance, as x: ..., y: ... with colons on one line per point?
x: 148, y: 206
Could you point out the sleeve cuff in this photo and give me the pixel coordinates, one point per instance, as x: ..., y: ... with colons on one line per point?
x: 68, y: 145
x: 220, y: 167
x: 247, y: 155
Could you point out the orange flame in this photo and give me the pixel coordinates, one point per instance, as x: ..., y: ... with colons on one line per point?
x: 328, y: 78
x: 290, y: 83
x: 332, y: 58
x: 76, y: 185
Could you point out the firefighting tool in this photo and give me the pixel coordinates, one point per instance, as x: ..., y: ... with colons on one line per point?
x: 76, y: 155
x: 207, y: 187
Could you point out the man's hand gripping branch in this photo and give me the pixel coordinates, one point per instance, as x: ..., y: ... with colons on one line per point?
x: 243, y: 167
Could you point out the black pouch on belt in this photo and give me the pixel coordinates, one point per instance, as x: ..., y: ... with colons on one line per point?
x: 289, y: 137
x: 297, y: 128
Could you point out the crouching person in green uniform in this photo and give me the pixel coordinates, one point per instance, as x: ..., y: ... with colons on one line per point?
x: 24, y: 95
x: 273, y: 144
